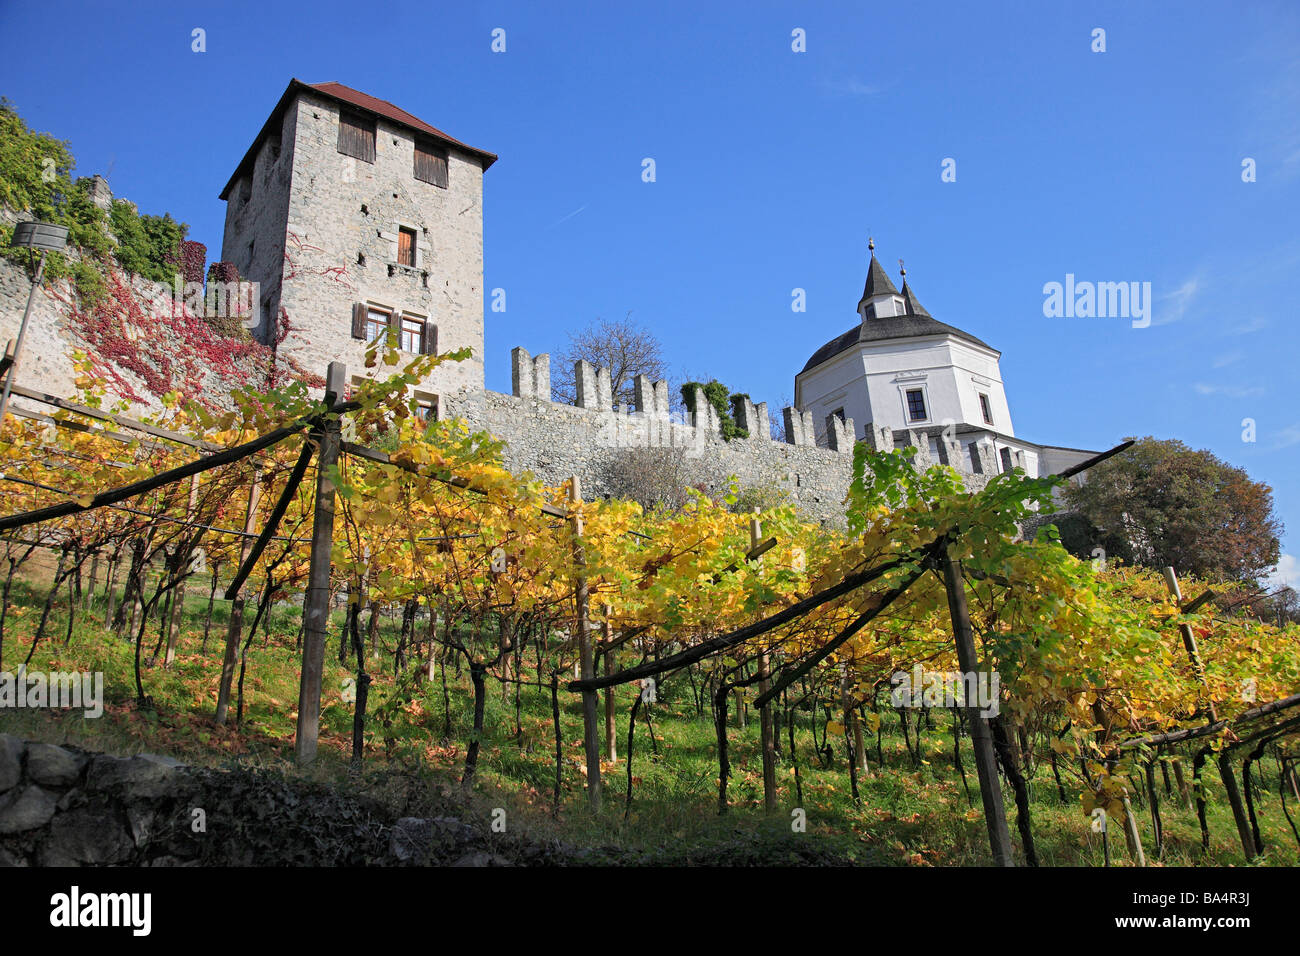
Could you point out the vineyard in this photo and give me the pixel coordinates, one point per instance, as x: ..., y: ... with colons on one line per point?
x: 387, y: 595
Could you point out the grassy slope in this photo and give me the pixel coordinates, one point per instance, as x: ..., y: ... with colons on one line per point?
x: 906, y: 816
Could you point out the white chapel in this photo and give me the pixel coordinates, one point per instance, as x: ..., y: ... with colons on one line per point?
x: 908, y: 379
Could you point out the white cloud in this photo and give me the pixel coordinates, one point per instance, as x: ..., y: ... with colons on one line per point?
x: 1286, y: 574
x: 1292, y: 161
x: 1228, y: 358
x: 1231, y: 391
x: 569, y: 216
x: 1288, y: 436
x: 1250, y: 325
x: 1174, y: 305
x: 850, y: 86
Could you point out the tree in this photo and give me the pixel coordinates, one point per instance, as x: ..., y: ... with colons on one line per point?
x: 1160, y: 504
x: 1284, y: 604
x: 654, y: 477
x: 624, y: 347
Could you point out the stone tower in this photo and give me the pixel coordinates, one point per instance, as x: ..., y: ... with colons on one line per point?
x: 353, y: 215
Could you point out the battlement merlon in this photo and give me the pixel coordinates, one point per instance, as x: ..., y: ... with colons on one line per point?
x: 840, y: 433
x: 650, y: 398
x: 799, y: 428
x: 753, y: 418
x: 530, y: 377
x: 705, y: 417
x: 584, y: 380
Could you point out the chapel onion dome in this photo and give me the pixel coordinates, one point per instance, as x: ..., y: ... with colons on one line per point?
x: 887, y: 314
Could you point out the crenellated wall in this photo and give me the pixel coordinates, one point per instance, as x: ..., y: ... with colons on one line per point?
x: 555, y: 440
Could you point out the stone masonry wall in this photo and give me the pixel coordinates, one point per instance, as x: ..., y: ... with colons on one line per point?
x: 63, y: 806
x: 44, y: 363
x: 257, y: 211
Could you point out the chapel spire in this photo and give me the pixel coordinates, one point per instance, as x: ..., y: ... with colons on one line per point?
x: 910, y: 305
x: 878, y: 289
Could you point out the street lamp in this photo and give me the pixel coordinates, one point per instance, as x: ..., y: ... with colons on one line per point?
x: 47, y: 238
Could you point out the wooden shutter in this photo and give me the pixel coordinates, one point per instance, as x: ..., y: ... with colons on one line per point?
x: 429, y: 339
x: 357, y: 137
x: 406, y: 247
x: 430, y: 164
x: 359, y: 320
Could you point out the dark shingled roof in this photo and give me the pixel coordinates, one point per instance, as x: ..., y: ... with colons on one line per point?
x: 877, y: 282
x: 357, y: 100
x: 881, y: 327
x: 909, y: 298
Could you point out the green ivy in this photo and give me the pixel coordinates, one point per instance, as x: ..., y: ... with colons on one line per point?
x: 36, y: 181
x: 146, y: 245
x: 722, y: 401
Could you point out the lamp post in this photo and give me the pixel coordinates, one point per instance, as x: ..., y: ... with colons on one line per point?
x: 47, y: 238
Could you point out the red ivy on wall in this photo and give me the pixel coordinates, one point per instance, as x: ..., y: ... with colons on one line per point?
x: 223, y: 272
x: 164, y: 347
x: 194, y: 256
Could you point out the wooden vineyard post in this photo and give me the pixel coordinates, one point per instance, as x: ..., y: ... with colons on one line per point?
x: 316, y: 603
x: 88, y: 599
x: 1212, y: 716
x: 1189, y: 637
x: 1132, y: 834
x: 611, y: 731
x: 235, y: 627
x: 995, y: 816
x: 766, y: 734
x: 586, y: 659
x: 178, y: 605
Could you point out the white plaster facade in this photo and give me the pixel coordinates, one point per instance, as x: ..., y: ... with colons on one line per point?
x: 905, y: 378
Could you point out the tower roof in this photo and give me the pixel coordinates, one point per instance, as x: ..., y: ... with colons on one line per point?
x: 909, y: 300
x: 916, y: 322
x: 881, y: 328
x: 355, y: 100
x: 878, y: 282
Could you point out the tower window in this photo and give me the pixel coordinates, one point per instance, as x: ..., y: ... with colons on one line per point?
x: 899, y: 308
x: 430, y: 164
x: 406, y: 247
x: 976, y: 466
x: 916, y: 405
x: 357, y: 137
x: 376, y: 323
x: 412, y: 334
x: 426, y: 407
x: 984, y: 407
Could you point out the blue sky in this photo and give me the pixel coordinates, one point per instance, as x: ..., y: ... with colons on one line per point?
x: 773, y: 166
